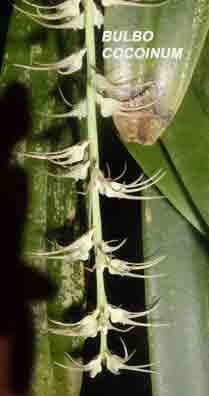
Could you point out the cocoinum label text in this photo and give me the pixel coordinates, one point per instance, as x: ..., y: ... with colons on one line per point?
x: 124, y: 36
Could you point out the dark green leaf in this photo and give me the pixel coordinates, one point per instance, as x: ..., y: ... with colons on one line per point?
x: 179, y: 351
x: 187, y: 142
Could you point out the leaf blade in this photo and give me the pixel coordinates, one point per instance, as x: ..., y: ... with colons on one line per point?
x: 180, y: 351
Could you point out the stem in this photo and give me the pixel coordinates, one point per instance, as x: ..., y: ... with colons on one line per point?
x: 93, y: 138
x: 103, y: 345
x: 95, y: 214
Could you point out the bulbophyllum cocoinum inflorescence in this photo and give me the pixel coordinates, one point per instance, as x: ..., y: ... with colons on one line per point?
x: 81, y: 162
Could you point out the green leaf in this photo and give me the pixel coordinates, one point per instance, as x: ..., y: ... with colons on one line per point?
x: 179, y: 351
x: 200, y: 81
x: 153, y: 158
x: 187, y: 142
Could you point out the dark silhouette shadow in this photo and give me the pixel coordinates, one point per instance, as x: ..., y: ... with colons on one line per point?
x: 20, y: 284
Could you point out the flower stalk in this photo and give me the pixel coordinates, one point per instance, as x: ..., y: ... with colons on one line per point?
x: 80, y: 162
x: 95, y: 213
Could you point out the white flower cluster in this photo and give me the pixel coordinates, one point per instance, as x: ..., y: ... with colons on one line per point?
x: 113, y: 363
x: 104, y: 318
x: 72, y: 160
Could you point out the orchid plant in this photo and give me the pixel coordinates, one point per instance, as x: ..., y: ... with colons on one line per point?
x: 81, y: 162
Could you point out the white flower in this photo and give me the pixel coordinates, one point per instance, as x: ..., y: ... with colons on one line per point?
x: 86, y: 327
x: 108, y: 106
x: 67, y: 16
x: 79, y: 111
x: 68, y: 22
x: 92, y: 324
x: 78, y: 250
x: 115, y: 363
x: 65, y: 157
x: 124, y: 317
x: 76, y: 172
x: 71, y: 159
x: 94, y: 367
x: 120, y: 90
x: 134, y: 3
x: 68, y: 8
x: 124, y: 268
x: 113, y: 189
x: 66, y: 66
x: 120, y: 267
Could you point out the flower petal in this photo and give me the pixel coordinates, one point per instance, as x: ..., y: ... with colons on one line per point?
x: 106, y: 248
x: 76, y: 172
x: 66, y: 66
x: 64, y: 157
x: 135, y: 3
x: 78, y: 250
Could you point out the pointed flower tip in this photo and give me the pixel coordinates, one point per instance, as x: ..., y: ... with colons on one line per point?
x: 66, y: 66
x: 64, y: 157
x: 107, y: 248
